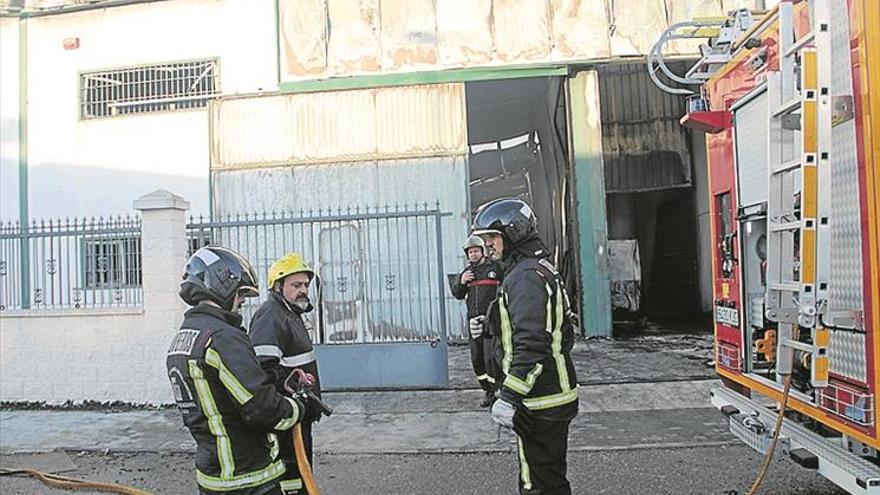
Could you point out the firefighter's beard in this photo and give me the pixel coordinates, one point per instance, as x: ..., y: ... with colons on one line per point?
x: 303, y: 304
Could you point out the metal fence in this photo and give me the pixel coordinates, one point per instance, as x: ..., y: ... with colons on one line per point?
x: 380, y: 269
x: 71, y: 263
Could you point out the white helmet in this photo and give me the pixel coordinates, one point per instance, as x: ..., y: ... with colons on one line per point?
x: 474, y: 241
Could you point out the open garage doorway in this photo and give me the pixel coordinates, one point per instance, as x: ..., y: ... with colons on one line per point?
x: 518, y: 147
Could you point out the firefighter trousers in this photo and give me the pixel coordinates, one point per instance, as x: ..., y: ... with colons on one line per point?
x: 542, y: 447
x: 291, y: 481
x: 481, y: 359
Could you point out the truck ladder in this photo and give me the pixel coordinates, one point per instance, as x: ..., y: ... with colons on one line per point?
x: 799, y: 189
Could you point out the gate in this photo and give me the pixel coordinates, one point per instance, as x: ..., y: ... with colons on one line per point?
x: 381, y: 292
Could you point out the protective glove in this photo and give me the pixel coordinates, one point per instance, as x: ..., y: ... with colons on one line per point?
x: 503, y: 412
x: 475, y: 326
x: 300, y: 410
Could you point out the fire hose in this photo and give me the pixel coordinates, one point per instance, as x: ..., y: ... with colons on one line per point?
x: 300, y: 388
x: 299, y: 384
x: 66, y: 483
x: 756, y: 485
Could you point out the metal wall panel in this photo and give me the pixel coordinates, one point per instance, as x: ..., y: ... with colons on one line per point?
x: 846, y: 351
x: 359, y: 185
x: 644, y: 146
x: 340, y: 126
x: 751, y: 150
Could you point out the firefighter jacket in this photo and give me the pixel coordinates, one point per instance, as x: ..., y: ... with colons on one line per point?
x: 534, y: 336
x: 227, y: 401
x: 482, y: 290
x: 282, y: 344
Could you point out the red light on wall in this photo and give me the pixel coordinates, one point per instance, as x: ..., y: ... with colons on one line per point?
x: 71, y: 43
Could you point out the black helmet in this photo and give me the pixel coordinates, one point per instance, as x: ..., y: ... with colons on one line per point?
x: 511, y: 218
x: 217, y: 274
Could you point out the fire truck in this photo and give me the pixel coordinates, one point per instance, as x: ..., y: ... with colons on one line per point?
x: 789, y: 101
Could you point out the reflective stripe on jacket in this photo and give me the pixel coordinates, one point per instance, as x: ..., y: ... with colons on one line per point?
x: 282, y: 343
x: 535, y: 339
x: 227, y: 401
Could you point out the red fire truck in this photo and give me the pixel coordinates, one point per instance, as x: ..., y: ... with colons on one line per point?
x: 792, y: 128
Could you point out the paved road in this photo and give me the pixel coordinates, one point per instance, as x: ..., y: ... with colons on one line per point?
x: 695, y: 470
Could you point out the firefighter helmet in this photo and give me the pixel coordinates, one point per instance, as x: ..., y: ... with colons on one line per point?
x: 286, y: 265
x: 474, y: 241
x: 217, y: 274
x: 510, y: 218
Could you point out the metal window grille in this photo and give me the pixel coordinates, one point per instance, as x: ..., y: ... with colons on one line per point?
x: 112, y: 262
x: 148, y: 88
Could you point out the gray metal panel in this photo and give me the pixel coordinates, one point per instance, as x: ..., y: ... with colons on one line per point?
x: 846, y: 236
x: 847, y: 353
x: 751, y: 150
x: 644, y: 146
x: 361, y: 184
x: 383, y: 365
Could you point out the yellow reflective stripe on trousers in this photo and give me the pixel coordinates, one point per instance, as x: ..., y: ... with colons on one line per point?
x: 241, y: 394
x: 215, y: 421
x: 556, y: 345
x: 524, y: 387
x: 524, y: 473
x: 548, y: 401
x: 506, y: 334
x: 247, y: 480
x: 291, y: 485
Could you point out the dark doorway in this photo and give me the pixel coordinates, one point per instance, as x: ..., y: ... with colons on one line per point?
x: 518, y: 140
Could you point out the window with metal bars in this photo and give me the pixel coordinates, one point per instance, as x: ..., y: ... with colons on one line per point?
x: 147, y: 88
x: 113, y: 262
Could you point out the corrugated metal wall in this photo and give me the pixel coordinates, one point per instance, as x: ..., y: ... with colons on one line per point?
x: 340, y: 126
x: 363, y: 148
x: 645, y: 147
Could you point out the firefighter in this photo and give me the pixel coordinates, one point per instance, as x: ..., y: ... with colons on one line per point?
x: 228, y: 403
x: 282, y: 344
x: 478, y: 283
x: 533, y: 333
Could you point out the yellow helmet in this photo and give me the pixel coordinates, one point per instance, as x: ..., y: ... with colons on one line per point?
x: 286, y: 265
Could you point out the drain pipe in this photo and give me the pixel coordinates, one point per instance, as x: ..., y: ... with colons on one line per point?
x: 23, y: 212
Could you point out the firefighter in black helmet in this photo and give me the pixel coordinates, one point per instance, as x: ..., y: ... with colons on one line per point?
x: 228, y: 403
x: 533, y: 333
x: 478, y: 283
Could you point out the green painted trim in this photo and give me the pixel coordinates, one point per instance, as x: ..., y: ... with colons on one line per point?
x: 277, y: 44
x: 589, y: 187
x: 23, y: 210
x: 415, y: 78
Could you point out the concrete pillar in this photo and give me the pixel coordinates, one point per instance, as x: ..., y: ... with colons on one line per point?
x: 163, y: 251
x: 589, y: 175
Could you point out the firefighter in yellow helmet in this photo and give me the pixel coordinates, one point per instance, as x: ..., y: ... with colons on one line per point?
x: 282, y: 345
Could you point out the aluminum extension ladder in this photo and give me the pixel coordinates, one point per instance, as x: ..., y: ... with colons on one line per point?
x: 798, y: 231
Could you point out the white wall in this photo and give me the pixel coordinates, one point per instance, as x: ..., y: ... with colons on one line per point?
x: 8, y: 119
x: 99, y: 354
x: 96, y: 166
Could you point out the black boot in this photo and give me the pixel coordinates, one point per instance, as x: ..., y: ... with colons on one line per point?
x: 488, y: 399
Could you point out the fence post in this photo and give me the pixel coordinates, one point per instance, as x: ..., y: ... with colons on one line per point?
x: 438, y: 225
x: 163, y: 251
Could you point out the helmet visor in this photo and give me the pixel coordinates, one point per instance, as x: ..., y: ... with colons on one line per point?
x: 248, y: 291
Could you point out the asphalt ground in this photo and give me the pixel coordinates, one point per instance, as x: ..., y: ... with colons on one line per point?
x: 645, y: 426
x: 722, y: 470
